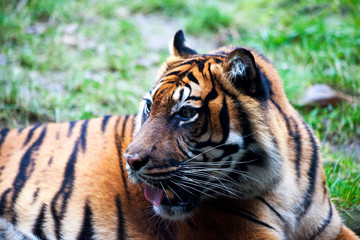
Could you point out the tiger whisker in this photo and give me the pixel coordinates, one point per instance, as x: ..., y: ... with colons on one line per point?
x: 228, y: 189
x: 193, y: 183
x: 162, y: 186
x: 187, y: 183
x: 220, y: 145
x: 210, y: 175
x: 184, y: 186
x: 220, y: 163
x: 218, y: 170
x: 179, y: 185
x: 214, y: 185
x: 190, y: 170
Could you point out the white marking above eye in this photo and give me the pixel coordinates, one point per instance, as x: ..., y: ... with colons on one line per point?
x: 184, y: 96
x: 179, y: 103
x: 190, y: 120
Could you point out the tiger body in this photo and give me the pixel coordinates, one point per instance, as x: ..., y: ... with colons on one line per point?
x: 218, y: 156
x: 91, y: 196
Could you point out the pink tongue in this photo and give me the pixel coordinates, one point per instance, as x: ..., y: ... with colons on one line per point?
x: 154, y: 195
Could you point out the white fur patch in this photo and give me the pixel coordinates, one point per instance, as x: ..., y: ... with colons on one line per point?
x: 185, y: 95
x: 9, y: 232
x: 180, y: 99
x: 172, y: 46
x: 238, y: 67
x: 190, y: 120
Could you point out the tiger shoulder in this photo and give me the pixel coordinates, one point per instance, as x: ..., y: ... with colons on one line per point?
x: 216, y: 152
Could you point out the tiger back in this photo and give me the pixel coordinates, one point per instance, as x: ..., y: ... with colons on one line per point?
x: 216, y: 152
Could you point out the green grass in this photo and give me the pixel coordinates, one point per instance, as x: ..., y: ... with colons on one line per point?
x: 91, y: 75
x: 344, y: 186
x: 67, y: 60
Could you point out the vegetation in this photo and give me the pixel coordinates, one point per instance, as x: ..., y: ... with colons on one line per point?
x: 66, y: 60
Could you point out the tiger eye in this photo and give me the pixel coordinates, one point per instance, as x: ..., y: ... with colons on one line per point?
x: 187, y: 112
x: 148, y: 106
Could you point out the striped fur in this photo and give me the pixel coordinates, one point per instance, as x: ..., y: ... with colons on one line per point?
x: 248, y: 162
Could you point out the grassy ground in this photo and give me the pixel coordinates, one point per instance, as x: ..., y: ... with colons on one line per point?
x: 66, y: 60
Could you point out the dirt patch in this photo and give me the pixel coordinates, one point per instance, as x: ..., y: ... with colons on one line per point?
x: 159, y: 30
x: 349, y: 148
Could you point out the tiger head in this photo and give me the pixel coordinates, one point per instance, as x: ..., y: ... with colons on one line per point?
x: 204, y: 131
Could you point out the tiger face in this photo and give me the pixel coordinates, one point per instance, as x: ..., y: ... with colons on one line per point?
x: 203, y: 132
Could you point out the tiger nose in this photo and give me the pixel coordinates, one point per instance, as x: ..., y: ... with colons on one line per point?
x: 135, y: 162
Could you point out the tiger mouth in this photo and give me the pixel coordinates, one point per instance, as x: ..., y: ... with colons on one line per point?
x: 174, y: 203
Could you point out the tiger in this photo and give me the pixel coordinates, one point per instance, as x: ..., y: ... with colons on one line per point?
x: 216, y: 152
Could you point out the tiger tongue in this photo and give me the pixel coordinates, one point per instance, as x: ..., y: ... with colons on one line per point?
x: 154, y: 195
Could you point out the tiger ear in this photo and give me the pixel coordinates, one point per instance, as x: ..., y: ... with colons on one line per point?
x: 244, y: 75
x: 179, y: 47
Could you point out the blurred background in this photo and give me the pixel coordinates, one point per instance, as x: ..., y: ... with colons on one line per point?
x: 69, y: 60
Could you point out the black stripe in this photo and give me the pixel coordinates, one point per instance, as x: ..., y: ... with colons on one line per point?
x: 172, y: 73
x: 160, y: 90
x: 35, y: 195
x: 26, y: 168
x: 213, y: 94
x: 124, y: 126
x: 121, y: 231
x: 218, y: 60
x: 71, y: 126
x: 243, y: 118
x: 204, y: 128
x: 87, y: 230
x: 324, y: 190
x: 120, y: 150
x: 224, y: 120
x: 50, y: 161
x: 3, y: 134
x: 1, y: 169
x: 20, y: 130
x: 192, y: 78
x: 83, y: 134
x: 181, y: 94
x: 242, y: 213
x: 65, y: 190
x: 30, y: 134
x: 194, y: 98
x: 133, y: 125
x: 39, y: 224
x: 285, y: 224
x: 201, y: 65
x: 190, y: 62
x: 324, y: 224
x: 181, y: 149
x: 284, y: 116
x: 298, y: 146
x: 312, y: 174
x: 104, y: 122
x: 295, y: 136
x: 3, y: 201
